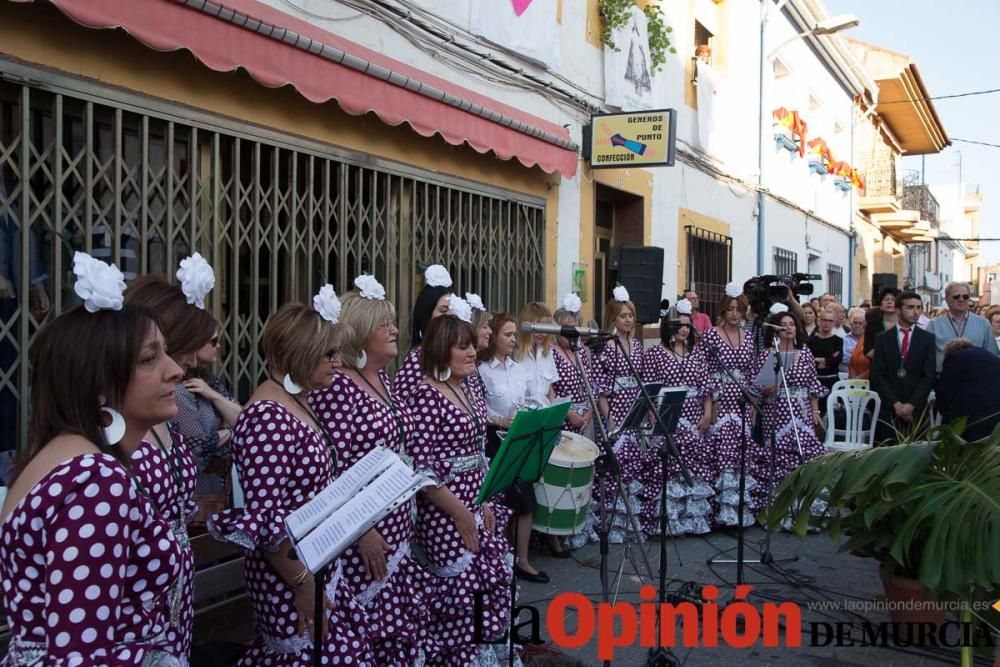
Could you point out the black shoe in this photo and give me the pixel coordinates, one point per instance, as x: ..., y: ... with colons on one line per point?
x: 540, y: 578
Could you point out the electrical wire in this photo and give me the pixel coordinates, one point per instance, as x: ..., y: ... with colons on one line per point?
x: 977, y: 143
x: 940, y: 97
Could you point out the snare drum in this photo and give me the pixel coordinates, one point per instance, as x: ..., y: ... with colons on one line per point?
x: 563, y: 493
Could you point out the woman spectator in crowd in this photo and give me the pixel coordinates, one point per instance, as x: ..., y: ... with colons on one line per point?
x: 359, y: 412
x: 677, y: 362
x: 791, y: 418
x: 456, y: 534
x: 881, y: 319
x: 827, y: 351
x: 97, y: 568
x: 727, y: 343
x: 284, y: 457
x: 206, y: 413
x: 810, y: 316
x: 993, y: 315
x: 854, y: 337
x: 431, y: 302
x: 506, y: 394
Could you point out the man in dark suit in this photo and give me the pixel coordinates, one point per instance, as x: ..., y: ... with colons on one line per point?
x: 967, y: 387
x: 903, y: 368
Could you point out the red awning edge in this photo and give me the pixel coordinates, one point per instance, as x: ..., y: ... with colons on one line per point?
x: 223, y: 46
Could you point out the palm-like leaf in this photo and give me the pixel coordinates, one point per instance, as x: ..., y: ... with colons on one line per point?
x: 929, y: 509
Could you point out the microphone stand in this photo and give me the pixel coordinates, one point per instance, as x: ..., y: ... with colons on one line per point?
x: 660, y: 656
x: 605, y: 465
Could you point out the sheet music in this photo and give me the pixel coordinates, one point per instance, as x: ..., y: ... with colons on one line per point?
x: 356, y: 517
x: 342, y: 489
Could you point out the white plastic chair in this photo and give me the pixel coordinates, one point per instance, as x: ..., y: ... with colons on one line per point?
x: 857, y: 403
x: 933, y: 416
x: 851, y: 384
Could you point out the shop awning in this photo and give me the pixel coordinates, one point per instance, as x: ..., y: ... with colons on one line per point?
x: 277, y: 49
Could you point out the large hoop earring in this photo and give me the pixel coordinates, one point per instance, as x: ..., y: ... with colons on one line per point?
x: 289, y: 384
x: 442, y: 376
x: 361, y: 361
x: 115, y: 431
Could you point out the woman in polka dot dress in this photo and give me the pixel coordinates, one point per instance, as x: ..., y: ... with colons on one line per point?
x: 676, y: 363
x: 804, y: 390
x: 360, y: 413
x: 728, y: 343
x: 570, y: 383
x: 283, y: 459
x: 458, y: 537
x: 431, y: 302
x: 163, y: 463
x: 87, y: 564
x: 618, y: 389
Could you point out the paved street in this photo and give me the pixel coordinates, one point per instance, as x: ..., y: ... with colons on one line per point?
x: 819, y: 574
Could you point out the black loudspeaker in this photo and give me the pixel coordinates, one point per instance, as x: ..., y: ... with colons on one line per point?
x: 640, y: 270
x: 881, y: 281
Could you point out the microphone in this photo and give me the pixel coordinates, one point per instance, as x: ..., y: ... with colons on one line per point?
x: 559, y: 330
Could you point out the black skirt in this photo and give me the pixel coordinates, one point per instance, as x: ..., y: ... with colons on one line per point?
x: 521, y: 497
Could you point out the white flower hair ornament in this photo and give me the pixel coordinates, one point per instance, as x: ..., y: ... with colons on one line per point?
x: 620, y: 294
x: 460, y: 308
x: 369, y: 287
x: 327, y: 304
x: 683, y: 307
x: 778, y: 309
x: 197, y: 279
x: 733, y: 290
x: 475, y: 301
x: 436, y: 275
x: 572, y: 303
x: 100, y: 285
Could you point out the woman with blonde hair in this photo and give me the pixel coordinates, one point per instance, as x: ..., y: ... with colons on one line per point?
x: 619, y: 387
x: 361, y: 412
x: 534, y: 353
x: 284, y: 457
x: 731, y: 362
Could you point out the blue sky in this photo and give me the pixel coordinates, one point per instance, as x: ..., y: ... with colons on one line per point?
x: 955, y: 46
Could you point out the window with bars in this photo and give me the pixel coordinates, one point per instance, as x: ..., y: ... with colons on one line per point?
x: 709, y: 266
x: 835, y: 281
x: 785, y: 261
x: 117, y: 175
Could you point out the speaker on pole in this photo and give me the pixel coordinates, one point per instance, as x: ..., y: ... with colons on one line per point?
x: 881, y: 281
x: 640, y: 270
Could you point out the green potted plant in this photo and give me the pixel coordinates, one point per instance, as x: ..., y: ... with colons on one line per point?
x: 928, y: 511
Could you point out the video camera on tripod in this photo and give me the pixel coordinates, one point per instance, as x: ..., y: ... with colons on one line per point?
x: 763, y: 291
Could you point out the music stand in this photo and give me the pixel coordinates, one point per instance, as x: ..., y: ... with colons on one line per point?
x: 522, y: 458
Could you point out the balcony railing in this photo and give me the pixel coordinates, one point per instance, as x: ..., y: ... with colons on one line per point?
x: 919, y: 198
x: 879, y: 172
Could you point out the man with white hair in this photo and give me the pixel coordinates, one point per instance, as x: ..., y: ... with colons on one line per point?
x: 958, y: 322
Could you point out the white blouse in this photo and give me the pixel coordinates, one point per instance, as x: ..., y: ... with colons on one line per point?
x: 540, y: 371
x: 506, y: 386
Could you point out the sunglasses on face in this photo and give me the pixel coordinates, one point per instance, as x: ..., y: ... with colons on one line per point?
x: 332, y: 354
x: 962, y: 297
x: 214, y: 342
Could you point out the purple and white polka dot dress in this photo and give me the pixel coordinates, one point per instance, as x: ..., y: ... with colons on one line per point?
x: 724, y: 436
x: 570, y: 383
x: 449, y: 444
x: 783, y: 423
x: 282, y: 463
x: 408, y: 376
x: 688, y: 508
x: 87, y: 568
x: 617, y: 381
x: 396, y: 606
x: 152, y: 469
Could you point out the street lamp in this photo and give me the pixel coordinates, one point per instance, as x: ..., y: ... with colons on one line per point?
x: 827, y: 26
